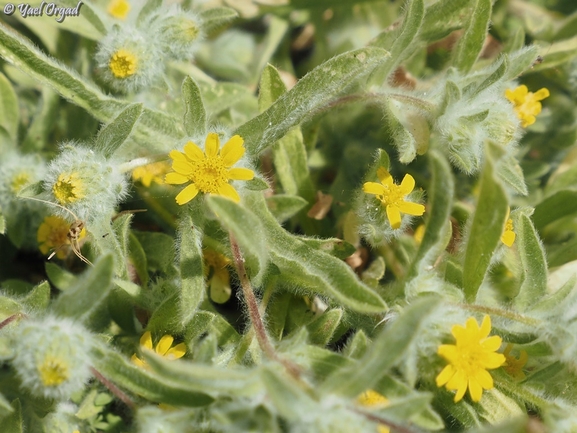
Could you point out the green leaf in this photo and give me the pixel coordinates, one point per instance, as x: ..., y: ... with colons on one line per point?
x: 43, y: 123
x: 503, y: 64
x: 521, y: 61
x: 216, y: 17
x: 2, y: 224
x: 284, y: 206
x: 311, y: 269
x: 323, y: 327
x: 511, y: 173
x: 59, y: 277
x: 335, y: 247
x: 312, y: 93
x: 159, y: 250
x: 357, y: 346
x: 387, y: 350
x: 113, y: 135
x: 441, y: 18
x: 39, y: 298
x: 5, y: 407
x: 286, y: 396
x: 270, y: 88
x: 485, y: 232
x: 147, y: 10
x: 194, y: 112
x: 192, y: 290
x: 533, y: 262
x: 561, y: 204
x: 87, y: 292
x: 440, y: 195
x: 9, y: 111
x: 471, y: 43
x: 149, y: 385
x: 13, y: 422
x: 248, y: 231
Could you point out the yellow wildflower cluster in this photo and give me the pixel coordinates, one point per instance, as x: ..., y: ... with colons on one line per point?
x: 473, y: 353
x: 392, y: 196
x: 209, y: 171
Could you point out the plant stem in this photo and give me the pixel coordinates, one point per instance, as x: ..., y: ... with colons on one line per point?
x: 254, y: 313
x: 113, y: 389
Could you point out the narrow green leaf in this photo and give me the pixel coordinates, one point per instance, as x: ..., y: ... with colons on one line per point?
x: 495, y: 77
x: 148, y: 9
x: 357, y: 346
x: 440, y: 195
x: 9, y: 111
x: 5, y: 407
x: 485, y: 232
x: 335, y: 247
x: 198, y: 325
x: 194, y: 112
x: 248, y: 231
x: 561, y: 204
x: 387, y: 350
x: 196, y: 377
x: 149, y: 385
x: 213, y: 18
x: 471, y: 43
x: 441, y: 18
x: 39, y: 298
x: 320, y: 273
x: 43, y: 122
x: 192, y: 290
x: 511, y: 173
x: 521, y: 61
x: 13, y: 422
x: 270, y: 88
x: 310, y: 94
x: 59, y: 277
x: 113, y: 135
x: 290, y: 400
x: 284, y: 206
x: 290, y: 161
x: 323, y: 327
x: 401, y: 43
x: 87, y: 292
x: 557, y: 300
x: 533, y: 262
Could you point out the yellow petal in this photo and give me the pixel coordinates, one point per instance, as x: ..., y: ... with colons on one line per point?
x: 175, y: 178
x: 240, y: 174
x: 146, y: 340
x: 494, y: 360
x: 211, y: 145
x: 175, y: 155
x: 187, y: 194
x: 408, y: 184
x: 227, y: 190
x: 394, y: 216
x: 373, y: 188
x: 445, y: 375
x: 193, y: 152
x: 484, y: 379
x: 475, y: 390
x: 232, y: 151
x: 411, y: 208
x: 485, y: 326
x: 183, y: 167
x: 508, y: 237
x: 541, y: 94
x: 176, y: 352
x: 384, y: 176
x: 164, y: 344
x: 491, y: 343
x: 136, y: 360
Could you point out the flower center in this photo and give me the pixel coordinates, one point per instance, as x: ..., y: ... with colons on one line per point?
x: 53, y: 371
x: 68, y: 188
x: 392, y: 196
x: 123, y: 64
x: 19, y: 181
x: 509, y: 225
x: 210, y: 175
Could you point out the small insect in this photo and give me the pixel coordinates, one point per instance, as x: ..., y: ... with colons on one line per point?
x: 73, y: 234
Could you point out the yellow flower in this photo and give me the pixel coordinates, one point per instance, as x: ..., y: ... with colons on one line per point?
x: 123, y: 63
x: 209, y: 171
x: 53, y: 371
x: 163, y: 348
x: 68, y: 188
x: 219, y: 283
x: 119, y: 9
x: 419, y: 233
x: 19, y: 181
x: 514, y: 366
x: 53, y: 235
x: 149, y: 173
x: 508, y: 236
x: 374, y: 400
x: 470, y: 358
x: 526, y: 103
x: 392, y: 196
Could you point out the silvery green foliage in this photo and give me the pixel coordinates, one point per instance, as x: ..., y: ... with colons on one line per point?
x: 102, y: 184
x: 52, y: 342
